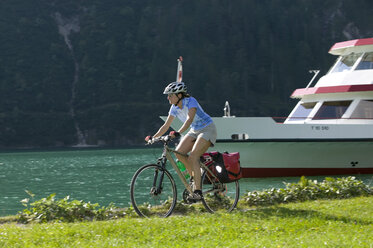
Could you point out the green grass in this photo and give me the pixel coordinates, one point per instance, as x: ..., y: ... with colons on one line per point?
x: 323, y: 223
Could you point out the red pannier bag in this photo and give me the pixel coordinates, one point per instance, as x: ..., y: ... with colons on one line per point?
x: 225, y: 166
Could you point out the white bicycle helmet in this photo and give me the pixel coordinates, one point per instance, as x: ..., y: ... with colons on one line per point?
x: 175, y: 87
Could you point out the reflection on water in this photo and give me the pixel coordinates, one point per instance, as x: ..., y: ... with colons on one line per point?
x: 101, y: 176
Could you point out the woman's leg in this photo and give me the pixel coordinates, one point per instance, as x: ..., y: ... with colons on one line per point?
x: 185, y: 146
x: 200, y: 147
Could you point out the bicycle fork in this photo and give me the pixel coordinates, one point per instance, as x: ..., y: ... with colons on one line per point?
x: 157, y: 181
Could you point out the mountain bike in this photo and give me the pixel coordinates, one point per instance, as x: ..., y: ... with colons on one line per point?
x: 153, y: 189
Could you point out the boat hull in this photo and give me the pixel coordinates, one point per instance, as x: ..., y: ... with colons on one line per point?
x: 263, y: 158
x: 270, y: 149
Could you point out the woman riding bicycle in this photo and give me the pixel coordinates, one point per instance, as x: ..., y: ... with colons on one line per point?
x: 201, y: 136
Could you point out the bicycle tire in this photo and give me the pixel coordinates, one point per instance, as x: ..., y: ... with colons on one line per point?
x: 219, y: 196
x: 145, y: 201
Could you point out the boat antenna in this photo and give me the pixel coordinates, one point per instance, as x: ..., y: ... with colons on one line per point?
x: 227, y: 109
x: 179, y: 73
x: 313, y: 78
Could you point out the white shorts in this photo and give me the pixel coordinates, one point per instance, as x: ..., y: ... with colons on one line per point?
x: 208, y: 133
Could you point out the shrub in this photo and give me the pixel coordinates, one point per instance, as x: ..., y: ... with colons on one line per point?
x: 64, y: 210
x: 330, y: 188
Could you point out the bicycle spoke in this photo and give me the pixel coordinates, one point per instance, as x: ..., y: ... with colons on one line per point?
x: 149, y: 199
x: 218, y: 196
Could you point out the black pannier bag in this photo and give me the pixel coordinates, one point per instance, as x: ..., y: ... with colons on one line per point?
x: 225, y: 166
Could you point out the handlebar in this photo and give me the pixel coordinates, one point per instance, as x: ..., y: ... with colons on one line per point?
x: 164, y: 139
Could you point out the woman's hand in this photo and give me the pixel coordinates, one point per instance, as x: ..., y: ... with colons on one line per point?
x: 174, y: 134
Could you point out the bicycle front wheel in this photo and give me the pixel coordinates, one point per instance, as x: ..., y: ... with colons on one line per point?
x: 219, y: 196
x: 153, y: 191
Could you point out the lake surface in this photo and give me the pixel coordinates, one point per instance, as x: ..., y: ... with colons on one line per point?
x: 97, y: 176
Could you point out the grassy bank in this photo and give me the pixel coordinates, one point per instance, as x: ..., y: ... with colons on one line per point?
x: 320, y: 223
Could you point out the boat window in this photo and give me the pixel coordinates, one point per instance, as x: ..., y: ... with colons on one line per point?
x: 332, y: 110
x: 346, y: 62
x: 366, y: 63
x: 240, y: 136
x: 302, y: 111
x: 364, y: 110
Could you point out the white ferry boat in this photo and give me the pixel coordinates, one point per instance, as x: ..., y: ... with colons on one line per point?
x: 329, y: 132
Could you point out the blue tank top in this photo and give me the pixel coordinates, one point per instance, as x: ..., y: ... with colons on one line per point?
x: 201, y: 119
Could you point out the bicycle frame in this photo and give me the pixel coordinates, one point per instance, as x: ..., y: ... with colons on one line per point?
x: 166, y: 155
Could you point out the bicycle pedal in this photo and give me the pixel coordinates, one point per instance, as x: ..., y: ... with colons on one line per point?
x: 196, y: 196
x: 189, y: 198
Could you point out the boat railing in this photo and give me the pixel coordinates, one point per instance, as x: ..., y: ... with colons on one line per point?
x: 313, y: 78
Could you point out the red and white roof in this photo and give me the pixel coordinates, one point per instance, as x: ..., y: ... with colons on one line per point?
x: 298, y: 93
x: 345, y: 47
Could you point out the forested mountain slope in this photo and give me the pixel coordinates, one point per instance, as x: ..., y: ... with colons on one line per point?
x: 93, y: 72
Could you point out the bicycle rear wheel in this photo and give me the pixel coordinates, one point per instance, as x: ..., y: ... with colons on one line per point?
x: 153, y: 191
x: 219, y: 196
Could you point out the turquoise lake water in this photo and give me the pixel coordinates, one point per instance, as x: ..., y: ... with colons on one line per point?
x: 97, y: 176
